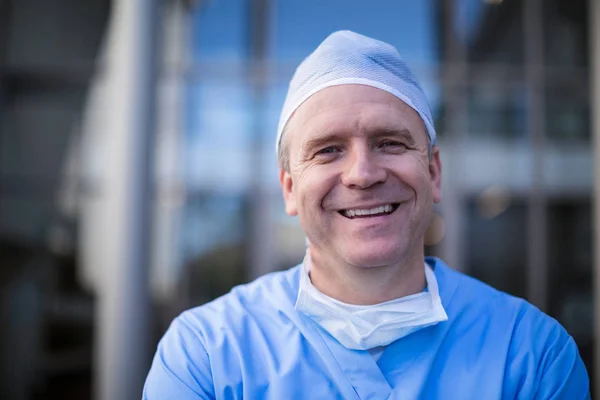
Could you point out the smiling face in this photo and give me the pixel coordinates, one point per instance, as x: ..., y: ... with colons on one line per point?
x: 360, y: 179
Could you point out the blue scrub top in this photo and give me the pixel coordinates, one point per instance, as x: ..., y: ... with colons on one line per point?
x: 252, y: 344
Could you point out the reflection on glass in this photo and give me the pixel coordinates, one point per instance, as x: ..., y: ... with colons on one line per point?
x: 492, y: 32
x: 434, y: 92
x: 213, y: 242
x: 220, y: 30
x: 497, y: 247
x: 497, y: 109
x: 410, y: 26
x: 567, y: 113
x: 570, y: 269
x: 219, y: 136
x: 565, y: 32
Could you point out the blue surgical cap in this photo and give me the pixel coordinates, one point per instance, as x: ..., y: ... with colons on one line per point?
x: 347, y: 57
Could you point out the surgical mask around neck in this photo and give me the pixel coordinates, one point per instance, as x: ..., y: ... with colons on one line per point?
x: 365, y: 327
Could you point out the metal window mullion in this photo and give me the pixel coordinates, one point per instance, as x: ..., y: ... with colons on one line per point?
x: 260, y: 246
x: 594, y: 35
x: 537, y: 268
x: 455, y: 75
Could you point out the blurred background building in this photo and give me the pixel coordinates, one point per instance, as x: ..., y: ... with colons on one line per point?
x: 94, y: 264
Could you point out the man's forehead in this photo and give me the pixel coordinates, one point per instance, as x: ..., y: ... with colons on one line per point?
x: 349, y: 94
x: 355, y: 107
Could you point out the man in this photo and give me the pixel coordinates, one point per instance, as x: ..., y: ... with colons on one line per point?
x: 365, y: 316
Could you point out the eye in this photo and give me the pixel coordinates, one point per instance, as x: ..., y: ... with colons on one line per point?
x: 328, y: 150
x: 392, y: 144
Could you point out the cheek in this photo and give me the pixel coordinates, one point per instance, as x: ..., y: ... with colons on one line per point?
x: 413, y: 172
x: 314, y: 188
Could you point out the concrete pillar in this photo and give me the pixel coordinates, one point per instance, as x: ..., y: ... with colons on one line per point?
x: 122, y: 356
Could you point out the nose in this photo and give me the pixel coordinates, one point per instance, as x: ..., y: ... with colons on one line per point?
x: 362, y: 170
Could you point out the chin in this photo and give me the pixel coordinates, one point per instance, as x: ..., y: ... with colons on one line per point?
x: 371, y: 255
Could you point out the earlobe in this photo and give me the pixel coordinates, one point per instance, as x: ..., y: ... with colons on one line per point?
x: 435, y: 171
x: 287, y: 187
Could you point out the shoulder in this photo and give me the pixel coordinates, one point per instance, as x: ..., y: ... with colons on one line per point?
x: 253, y: 311
x: 544, y: 359
x: 540, y: 356
x: 267, y: 294
x: 461, y: 293
x: 203, y: 343
x: 526, y: 321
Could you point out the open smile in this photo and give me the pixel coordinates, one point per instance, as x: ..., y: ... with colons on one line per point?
x: 385, y: 209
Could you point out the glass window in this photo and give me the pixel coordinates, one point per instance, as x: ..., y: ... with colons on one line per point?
x: 497, y: 241
x: 566, y: 32
x: 410, y: 26
x: 567, y: 111
x: 492, y: 32
x: 435, y: 93
x: 219, y: 136
x: 221, y: 30
x: 497, y: 109
x: 570, y: 270
x: 214, y: 227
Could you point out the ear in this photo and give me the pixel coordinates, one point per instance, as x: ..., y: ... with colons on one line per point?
x: 287, y: 187
x: 435, y: 173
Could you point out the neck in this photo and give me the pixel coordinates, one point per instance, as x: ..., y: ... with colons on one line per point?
x: 366, y: 286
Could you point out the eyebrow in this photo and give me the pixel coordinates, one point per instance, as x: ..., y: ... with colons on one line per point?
x: 321, y: 141
x: 398, y: 133
x: 377, y: 132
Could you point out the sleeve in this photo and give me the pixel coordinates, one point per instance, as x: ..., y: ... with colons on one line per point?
x: 564, y: 376
x: 181, y: 368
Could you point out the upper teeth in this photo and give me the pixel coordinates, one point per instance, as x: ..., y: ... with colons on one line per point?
x: 377, y: 210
